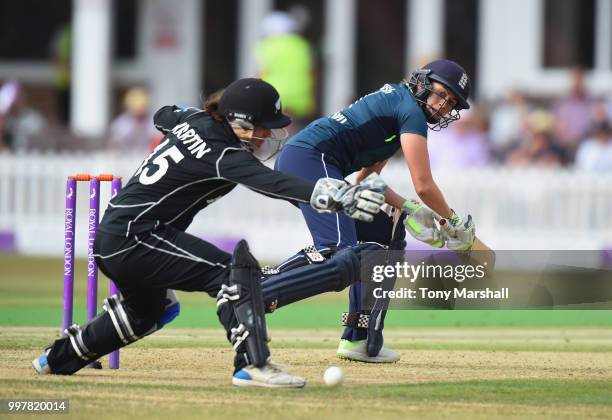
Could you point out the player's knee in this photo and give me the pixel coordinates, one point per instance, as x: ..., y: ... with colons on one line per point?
x: 332, y: 274
x: 348, y: 263
x: 308, y: 255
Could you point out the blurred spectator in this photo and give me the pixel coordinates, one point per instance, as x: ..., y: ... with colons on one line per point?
x: 284, y: 58
x: 506, y: 125
x: 133, y: 131
x: 599, y: 113
x: 462, y: 145
x: 21, y: 127
x: 595, y: 153
x: 61, y: 49
x: 539, y: 147
x: 607, y: 107
x: 573, y: 113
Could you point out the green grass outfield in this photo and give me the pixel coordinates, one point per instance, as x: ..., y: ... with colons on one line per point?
x: 185, y: 373
x: 31, y: 295
x: 460, y: 364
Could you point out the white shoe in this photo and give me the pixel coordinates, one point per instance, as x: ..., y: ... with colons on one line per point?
x: 356, y: 350
x: 40, y: 364
x: 269, y: 376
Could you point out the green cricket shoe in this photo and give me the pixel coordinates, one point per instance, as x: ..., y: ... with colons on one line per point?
x: 356, y: 351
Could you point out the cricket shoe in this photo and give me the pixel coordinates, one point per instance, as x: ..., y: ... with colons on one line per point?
x: 40, y: 364
x: 268, y: 376
x: 356, y: 350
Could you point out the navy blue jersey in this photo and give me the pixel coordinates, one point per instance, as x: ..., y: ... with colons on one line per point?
x: 367, y: 131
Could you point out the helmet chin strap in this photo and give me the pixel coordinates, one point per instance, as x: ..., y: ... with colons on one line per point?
x: 285, y: 135
x: 246, y: 142
x: 273, y: 138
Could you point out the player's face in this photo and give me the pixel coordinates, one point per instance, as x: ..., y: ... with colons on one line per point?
x: 258, y: 135
x: 441, y: 101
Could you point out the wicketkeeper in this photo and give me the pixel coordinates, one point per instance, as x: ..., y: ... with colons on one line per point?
x: 142, y: 245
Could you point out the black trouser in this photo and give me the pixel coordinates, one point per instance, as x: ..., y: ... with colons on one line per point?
x: 143, y: 266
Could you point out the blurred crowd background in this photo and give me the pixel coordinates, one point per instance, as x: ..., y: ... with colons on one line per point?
x: 532, y: 160
x: 518, y: 126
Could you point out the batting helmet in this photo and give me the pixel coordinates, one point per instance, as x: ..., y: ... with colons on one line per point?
x: 449, y: 74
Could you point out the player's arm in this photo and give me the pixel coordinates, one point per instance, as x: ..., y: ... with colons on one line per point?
x: 414, y: 148
x: 242, y: 168
x: 459, y: 233
x: 376, y: 168
x: 391, y: 197
x: 419, y: 220
x: 360, y: 202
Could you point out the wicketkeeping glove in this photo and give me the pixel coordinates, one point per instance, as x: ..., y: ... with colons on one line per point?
x: 459, y: 235
x: 420, y: 223
x: 360, y: 201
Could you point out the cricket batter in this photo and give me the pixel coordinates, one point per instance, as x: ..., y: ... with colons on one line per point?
x: 361, y: 138
x: 141, y: 242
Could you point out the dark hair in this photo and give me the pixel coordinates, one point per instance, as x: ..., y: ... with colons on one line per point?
x: 211, y: 105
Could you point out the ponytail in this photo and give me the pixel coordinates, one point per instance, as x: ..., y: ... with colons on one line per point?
x: 211, y: 105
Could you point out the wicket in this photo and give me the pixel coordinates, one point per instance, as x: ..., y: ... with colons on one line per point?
x: 69, y: 235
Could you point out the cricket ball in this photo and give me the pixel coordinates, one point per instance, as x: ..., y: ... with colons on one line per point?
x: 333, y: 376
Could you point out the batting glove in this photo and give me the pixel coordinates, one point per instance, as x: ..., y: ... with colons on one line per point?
x: 459, y: 235
x: 420, y: 223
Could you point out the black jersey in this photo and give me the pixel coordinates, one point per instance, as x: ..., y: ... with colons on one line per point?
x: 198, y: 161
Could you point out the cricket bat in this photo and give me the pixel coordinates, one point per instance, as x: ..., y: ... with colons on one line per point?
x: 481, y: 254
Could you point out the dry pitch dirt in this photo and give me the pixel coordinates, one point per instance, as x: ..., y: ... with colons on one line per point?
x: 187, y: 373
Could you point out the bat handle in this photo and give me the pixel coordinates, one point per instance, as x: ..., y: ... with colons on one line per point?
x: 437, y: 217
x: 444, y: 225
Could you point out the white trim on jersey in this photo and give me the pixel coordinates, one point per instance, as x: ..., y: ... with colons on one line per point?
x: 199, y: 111
x: 130, y: 205
x: 115, y: 253
x: 186, y: 252
x: 248, y: 186
x: 161, y: 128
x: 221, y: 157
x: 219, y: 177
x: 127, y: 233
x: 194, y: 258
x: 195, y: 202
x: 272, y: 194
x: 153, y: 204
